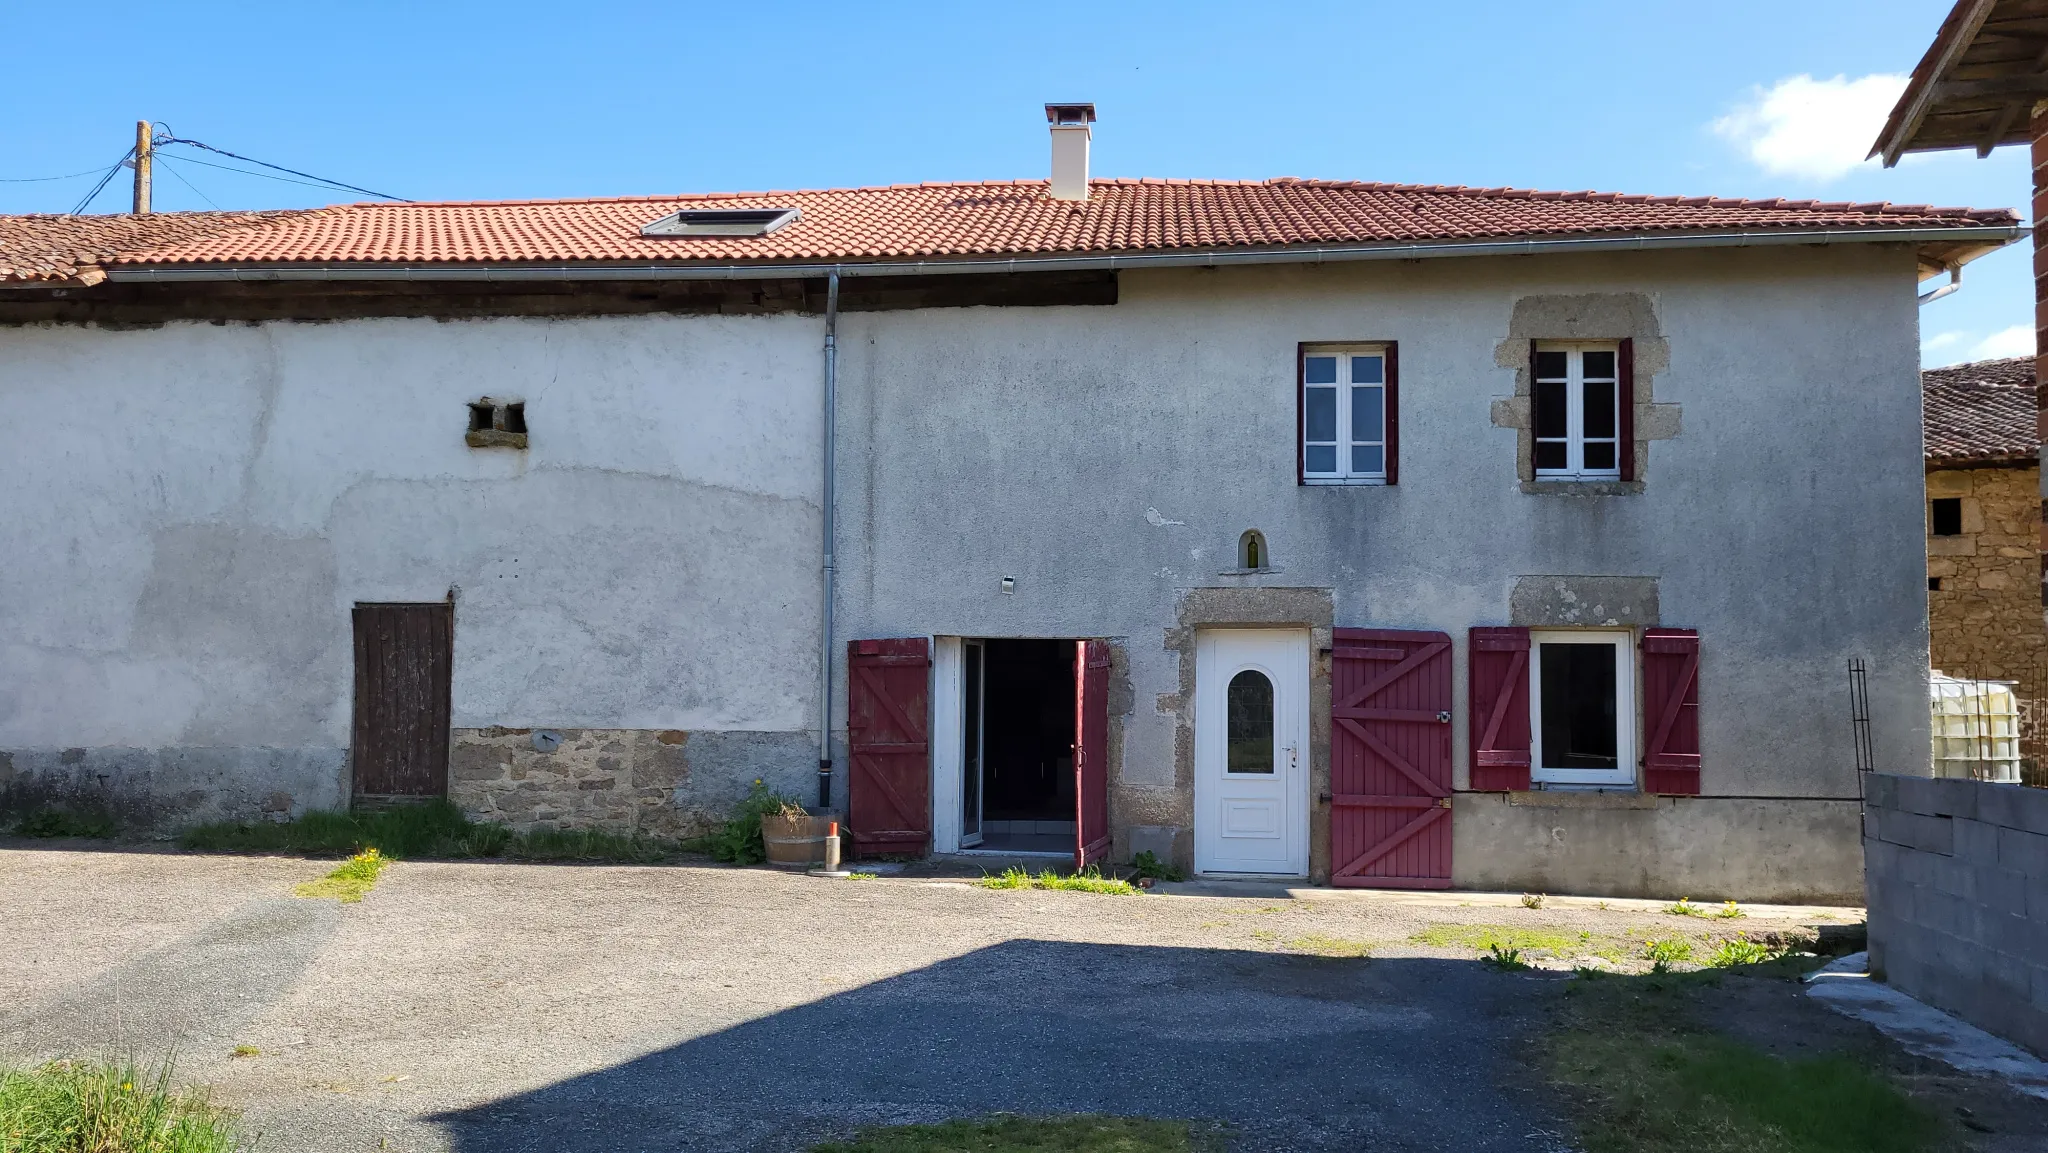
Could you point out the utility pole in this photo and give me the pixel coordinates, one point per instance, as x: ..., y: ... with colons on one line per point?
x: 141, y: 167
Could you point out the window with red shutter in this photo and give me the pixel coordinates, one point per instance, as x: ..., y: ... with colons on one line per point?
x: 1498, y: 663
x: 1671, y: 711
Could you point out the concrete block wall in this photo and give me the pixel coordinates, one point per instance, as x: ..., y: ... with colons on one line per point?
x: 1956, y: 874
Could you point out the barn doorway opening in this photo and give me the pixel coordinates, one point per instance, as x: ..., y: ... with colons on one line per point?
x: 1017, y: 760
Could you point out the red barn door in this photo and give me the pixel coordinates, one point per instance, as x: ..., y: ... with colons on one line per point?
x: 1390, y: 759
x: 888, y: 731
x: 1091, y: 752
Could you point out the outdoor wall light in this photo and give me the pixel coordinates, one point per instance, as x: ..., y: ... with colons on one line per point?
x: 1009, y: 584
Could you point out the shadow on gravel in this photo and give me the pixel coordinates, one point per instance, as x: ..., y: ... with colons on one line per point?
x: 1293, y: 1052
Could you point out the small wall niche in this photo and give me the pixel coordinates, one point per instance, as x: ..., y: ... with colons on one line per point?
x: 495, y: 423
x: 1252, y: 555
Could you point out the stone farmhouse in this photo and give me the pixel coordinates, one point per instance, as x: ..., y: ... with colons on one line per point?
x: 1377, y: 534
x: 1984, y: 524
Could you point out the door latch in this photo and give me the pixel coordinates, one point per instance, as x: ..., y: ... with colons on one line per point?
x: 1444, y: 717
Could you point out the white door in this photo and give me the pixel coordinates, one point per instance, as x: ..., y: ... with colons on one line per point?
x: 1251, y: 751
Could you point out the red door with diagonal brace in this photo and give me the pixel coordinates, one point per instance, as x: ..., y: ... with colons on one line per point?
x: 1390, y: 759
x: 888, y: 734
x: 1091, y: 752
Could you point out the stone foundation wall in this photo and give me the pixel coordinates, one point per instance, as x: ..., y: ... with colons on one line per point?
x: 164, y: 791
x: 657, y: 782
x: 1985, y: 620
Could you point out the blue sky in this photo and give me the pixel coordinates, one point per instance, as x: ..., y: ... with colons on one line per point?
x: 519, y: 99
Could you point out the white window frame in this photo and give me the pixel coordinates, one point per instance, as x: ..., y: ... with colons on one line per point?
x: 1343, y: 444
x: 1625, y: 721
x: 1575, y: 412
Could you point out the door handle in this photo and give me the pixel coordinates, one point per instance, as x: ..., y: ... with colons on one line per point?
x: 1444, y: 717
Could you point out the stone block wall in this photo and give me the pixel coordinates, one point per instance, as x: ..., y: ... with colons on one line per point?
x: 1956, y: 874
x: 618, y: 780
x: 1985, y: 621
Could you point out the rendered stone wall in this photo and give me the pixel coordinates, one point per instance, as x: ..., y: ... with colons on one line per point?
x: 1957, y: 880
x: 1985, y: 619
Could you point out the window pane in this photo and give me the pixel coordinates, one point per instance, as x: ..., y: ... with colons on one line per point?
x: 1599, y: 365
x: 1599, y: 409
x: 1599, y: 454
x: 1550, y: 365
x: 1322, y: 414
x: 1368, y: 370
x: 1550, y: 454
x: 1368, y: 458
x: 1250, y: 709
x: 1365, y: 413
x: 1578, y: 707
x: 1550, y: 409
x: 1320, y: 458
x: 1321, y: 370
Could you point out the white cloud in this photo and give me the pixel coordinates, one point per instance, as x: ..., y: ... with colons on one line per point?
x: 1819, y: 129
x: 2015, y: 341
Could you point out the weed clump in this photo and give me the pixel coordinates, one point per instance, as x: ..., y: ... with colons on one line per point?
x: 435, y: 828
x: 1148, y: 864
x: 1089, y: 880
x: 107, y: 1107
x: 52, y: 821
x: 350, y: 881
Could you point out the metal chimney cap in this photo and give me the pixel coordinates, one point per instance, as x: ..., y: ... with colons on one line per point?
x: 1070, y: 113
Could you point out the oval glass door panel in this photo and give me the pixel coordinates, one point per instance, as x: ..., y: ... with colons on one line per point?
x: 1249, y: 703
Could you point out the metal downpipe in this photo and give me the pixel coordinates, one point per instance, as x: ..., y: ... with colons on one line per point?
x: 831, y: 482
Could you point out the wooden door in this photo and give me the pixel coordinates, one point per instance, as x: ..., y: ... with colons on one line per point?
x: 1390, y: 759
x: 1091, y: 752
x: 888, y: 733
x: 405, y: 660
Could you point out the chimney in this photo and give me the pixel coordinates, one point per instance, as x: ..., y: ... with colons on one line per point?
x: 1070, y: 136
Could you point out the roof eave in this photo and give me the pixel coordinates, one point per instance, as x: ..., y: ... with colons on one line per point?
x: 1950, y: 42
x: 1940, y: 247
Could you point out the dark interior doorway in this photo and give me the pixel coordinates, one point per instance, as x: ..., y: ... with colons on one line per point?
x: 1019, y: 760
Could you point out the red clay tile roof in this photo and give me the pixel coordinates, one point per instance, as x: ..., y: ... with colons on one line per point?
x: 1980, y: 413
x: 991, y: 219
x: 63, y: 247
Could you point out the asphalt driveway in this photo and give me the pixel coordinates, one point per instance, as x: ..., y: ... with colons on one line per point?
x: 485, y: 1007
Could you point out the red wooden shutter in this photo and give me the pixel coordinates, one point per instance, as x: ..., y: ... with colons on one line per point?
x: 888, y: 731
x: 1671, y: 711
x: 1091, y: 752
x: 1301, y: 414
x: 1393, y: 413
x: 1390, y: 759
x: 1499, y: 660
x: 1625, y: 418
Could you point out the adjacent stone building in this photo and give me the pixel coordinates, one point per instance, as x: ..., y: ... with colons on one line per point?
x: 1983, y: 521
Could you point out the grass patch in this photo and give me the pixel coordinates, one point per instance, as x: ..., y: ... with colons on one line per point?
x: 1487, y: 938
x: 1089, y: 880
x: 1324, y: 946
x: 1730, y: 953
x: 49, y: 821
x: 350, y: 881
x: 102, y: 1107
x: 1727, y: 910
x: 1080, y: 1134
x: 1643, y: 1076
x: 435, y: 829
x: 246, y: 1051
x: 1706, y: 1094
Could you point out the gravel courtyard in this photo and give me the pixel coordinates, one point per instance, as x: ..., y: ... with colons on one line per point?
x: 485, y: 1006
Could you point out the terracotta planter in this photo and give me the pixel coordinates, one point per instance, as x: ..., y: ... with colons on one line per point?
x: 796, y: 843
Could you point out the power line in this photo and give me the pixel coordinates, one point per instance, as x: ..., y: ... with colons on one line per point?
x: 277, y: 168
x: 264, y: 175
x: 45, y: 179
x: 83, y: 204
x: 166, y: 162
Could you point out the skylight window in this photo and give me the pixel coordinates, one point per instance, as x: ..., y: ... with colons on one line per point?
x: 721, y: 222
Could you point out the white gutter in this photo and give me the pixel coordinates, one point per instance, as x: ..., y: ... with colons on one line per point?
x: 1990, y: 234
